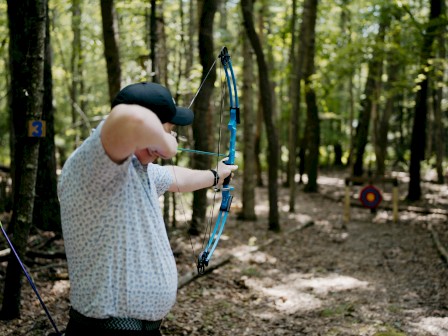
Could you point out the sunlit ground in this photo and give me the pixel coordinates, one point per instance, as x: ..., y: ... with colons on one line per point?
x: 433, y: 325
x: 297, y: 291
x: 302, y: 292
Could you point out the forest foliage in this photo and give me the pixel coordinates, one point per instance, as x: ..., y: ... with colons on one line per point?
x: 346, y: 34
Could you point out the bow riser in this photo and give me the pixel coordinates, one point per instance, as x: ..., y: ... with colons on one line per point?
x: 232, y: 128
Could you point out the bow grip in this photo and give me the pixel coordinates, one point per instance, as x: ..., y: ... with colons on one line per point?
x: 228, y: 178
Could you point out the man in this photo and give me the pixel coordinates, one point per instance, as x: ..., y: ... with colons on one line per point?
x: 122, y: 271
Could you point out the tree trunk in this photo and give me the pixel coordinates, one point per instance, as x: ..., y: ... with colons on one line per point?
x: 312, y: 113
x: 202, y: 109
x: 259, y: 120
x: 162, y: 49
x: 418, y: 138
x: 46, y: 214
x: 153, y: 71
x: 249, y: 178
x: 111, y: 49
x: 313, y: 135
x: 400, y: 146
x: 382, y: 126
x: 26, y: 54
x: 294, y: 95
x: 268, y: 111
x: 258, y: 132
x: 370, y: 98
x: 345, y: 25
x: 76, y: 67
x: 439, y: 129
x: 191, y: 35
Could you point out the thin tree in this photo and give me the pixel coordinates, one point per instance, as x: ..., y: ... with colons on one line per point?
x: 27, y: 22
x: 439, y: 129
x: 370, y: 100
x: 162, y: 51
x: 312, y: 113
x: 202, y: 109
x: 418, y: 138
x: 346, y: 36
x: 249, y: 178
x: 267, y: 102
x: 76, y: 67
x: 259, y: 113
x: 46, y: 214
x: 153, y: 42
x: 382, y: 121
x: 191, y: 40
x: 111, y: 48
x: 295, y: 97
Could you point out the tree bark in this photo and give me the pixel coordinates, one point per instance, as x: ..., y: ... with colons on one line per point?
x: 439, y: 129
x: 345, y: 25
x: 381, y: 128
x: 418, y: 138
x: 202, y: 109
x: 46, y: 214
x: 111, y: 49
x: 153, y: 73
x: 162, y: 50
x: 259, y: 121
x: 76, y: 67
x: 312, y: 120
x: 369, y: 103
x: 295, y: 97
x: 268, y: 111
x: 27, y: 22
x: 249, y: 178
x: 258, y: 132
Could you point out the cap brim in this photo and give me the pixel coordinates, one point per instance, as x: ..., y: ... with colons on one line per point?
x: 183, y: 117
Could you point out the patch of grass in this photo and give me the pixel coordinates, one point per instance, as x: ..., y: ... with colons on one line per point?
x: 333, y: 332
x: 222, y: 312
x: 343, y: 309
x: 170, y: 317
x: 251, y: 272
x: 390, y: 332
x: 394, y: 309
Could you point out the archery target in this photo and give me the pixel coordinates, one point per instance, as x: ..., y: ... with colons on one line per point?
x: 370, y: 197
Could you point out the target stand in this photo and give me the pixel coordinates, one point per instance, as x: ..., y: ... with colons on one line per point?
x: 370, y: 196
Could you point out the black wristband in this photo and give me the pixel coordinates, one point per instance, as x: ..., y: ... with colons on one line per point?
x: 215, y: 173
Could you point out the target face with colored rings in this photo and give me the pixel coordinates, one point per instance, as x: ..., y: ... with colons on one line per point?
x: 370, y: 197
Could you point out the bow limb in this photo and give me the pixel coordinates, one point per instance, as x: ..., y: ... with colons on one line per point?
x: 30, y: 280
x: 206, y: 255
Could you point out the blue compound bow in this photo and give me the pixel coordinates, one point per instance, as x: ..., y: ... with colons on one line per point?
x: 206, y: 255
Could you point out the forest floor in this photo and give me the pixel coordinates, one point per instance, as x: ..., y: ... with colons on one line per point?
x: 318, y: 276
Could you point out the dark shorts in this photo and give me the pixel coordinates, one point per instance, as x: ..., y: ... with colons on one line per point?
x: 80, y: 324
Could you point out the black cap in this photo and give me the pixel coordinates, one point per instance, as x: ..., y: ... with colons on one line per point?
x: 158, y: 99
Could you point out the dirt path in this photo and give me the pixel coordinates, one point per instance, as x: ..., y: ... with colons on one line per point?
x: 371, y: 277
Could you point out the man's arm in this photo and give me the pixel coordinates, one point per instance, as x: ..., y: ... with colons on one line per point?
x: 132, y: 127
x: 186, y: 179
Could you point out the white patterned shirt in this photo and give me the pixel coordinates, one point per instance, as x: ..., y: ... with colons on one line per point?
x: 119, y: 257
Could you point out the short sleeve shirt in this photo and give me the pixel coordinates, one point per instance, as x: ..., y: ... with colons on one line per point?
x: 119, y: 257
